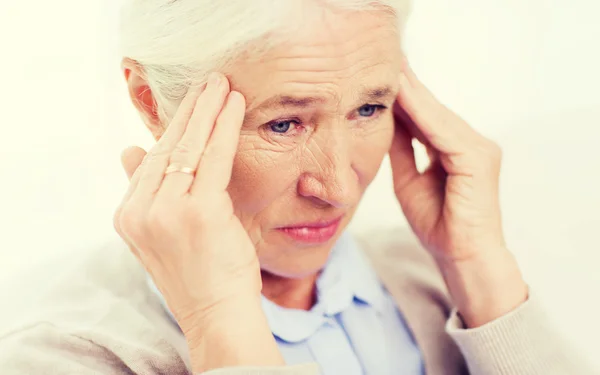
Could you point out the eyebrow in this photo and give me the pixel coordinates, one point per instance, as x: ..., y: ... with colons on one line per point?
x: 290, y: 101
x: 284, y: 101
x: 377, y: 93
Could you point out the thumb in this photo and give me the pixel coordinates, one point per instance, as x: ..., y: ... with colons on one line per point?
x: 402, y: 159
x: 419, y: 194
x: 131, y: 158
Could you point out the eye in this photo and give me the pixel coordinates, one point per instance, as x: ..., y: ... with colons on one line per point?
x: 281, y: 126
x: 369, y: 110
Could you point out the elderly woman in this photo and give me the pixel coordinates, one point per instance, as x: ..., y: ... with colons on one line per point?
x: 271, y: 119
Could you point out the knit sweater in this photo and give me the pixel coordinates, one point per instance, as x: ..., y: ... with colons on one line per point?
x: 100, y: 317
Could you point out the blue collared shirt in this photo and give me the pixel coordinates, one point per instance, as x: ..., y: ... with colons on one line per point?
x: 355, y: 326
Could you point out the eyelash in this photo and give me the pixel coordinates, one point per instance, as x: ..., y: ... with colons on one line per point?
x: 377, y: 109
x: 270, y: 125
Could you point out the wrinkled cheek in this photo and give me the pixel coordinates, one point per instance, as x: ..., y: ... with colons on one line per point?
x: 258, y: 180
x: 370, y: 149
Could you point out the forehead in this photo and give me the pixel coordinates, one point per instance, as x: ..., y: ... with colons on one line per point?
x: 335, y: 58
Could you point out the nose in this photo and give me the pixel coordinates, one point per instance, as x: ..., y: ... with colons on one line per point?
x: 330, y: 178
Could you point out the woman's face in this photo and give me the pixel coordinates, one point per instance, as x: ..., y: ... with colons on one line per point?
x: 317, y: 126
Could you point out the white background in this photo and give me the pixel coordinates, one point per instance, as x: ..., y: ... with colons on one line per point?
x: 523, y: 72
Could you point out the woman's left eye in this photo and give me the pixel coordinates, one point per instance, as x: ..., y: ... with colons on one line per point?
x: 281, y: 127
x: 369, y: 110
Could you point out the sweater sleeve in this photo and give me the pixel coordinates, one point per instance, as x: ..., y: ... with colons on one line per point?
x: 307, y: 369
x: 523, y: 342
x: 41, y: 349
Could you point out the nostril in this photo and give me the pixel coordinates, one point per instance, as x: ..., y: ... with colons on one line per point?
x: 319, y: 203
x: 335, y: 187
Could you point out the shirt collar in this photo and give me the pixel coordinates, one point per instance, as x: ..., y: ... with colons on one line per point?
x: 346, y: 279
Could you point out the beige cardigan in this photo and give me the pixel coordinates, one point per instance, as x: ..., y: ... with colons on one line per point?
x: 100, y: 318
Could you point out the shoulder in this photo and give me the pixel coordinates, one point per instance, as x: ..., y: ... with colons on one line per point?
x: 85, y: 280
x: 403, y: 264
x: 413, y: 280
x: 399, y: 248
x: 43, y: 345
x: 91, y: 313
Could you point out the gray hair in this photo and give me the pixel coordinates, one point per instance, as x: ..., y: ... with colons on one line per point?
x: 178, y: 43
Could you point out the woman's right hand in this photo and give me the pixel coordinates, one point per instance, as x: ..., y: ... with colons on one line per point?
x: 181, y: 226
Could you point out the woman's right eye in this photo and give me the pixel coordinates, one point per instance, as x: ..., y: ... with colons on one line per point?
x: 281, y: 127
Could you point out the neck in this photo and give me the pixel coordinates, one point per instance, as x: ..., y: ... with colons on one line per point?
x: 290, y: 293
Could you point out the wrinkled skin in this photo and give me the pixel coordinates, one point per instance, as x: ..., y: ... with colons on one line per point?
x: 309, y: 161
x: 321, y: 167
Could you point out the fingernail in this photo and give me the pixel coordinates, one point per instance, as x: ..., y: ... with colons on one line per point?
x: 214, y: 79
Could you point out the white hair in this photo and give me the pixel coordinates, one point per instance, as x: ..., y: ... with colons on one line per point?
x: 177, y: 43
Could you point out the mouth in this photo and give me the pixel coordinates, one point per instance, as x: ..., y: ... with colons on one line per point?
x: 317, y: 232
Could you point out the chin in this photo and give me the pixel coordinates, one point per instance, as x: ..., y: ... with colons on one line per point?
x: 297, y: 263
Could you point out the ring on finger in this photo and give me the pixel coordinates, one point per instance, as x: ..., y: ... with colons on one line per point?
x: 177, y: 168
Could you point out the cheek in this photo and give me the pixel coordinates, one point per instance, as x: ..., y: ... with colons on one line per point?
x: 370, y: 147
x: 259, y: 177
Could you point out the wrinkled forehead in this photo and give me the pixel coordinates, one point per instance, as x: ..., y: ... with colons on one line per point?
x: 337, y: 58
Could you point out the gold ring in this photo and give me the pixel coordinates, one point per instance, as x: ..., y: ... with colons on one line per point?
x: 177, y: 168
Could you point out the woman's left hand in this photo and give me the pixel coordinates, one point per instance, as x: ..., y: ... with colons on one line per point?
x: 453, y: 206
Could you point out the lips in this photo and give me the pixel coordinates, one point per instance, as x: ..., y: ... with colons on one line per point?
x: 313, y: 233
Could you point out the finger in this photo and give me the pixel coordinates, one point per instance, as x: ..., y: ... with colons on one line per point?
x: 189, y: 149
x: 402, y: 158
x: 217, y: 162
x: 416, y: 192
x: 157, y: 159
x: 439, y: 126
x: 117, y: 225
x: 176, y: 128
x: 402, y: 118
x: 132, y: 159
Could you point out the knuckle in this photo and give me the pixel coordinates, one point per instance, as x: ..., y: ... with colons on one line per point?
x: 117, y: 220
x: 209, y: 152
x: 159, y: 150
x: 494, y: 150
x: 162, y: 218
x: 149, y: 158
x: 194, y: 214
x: 156, y: 219
x: 170, y: 218
x: 489, y: 156
x: 129, y: 220
x: 153, y: 157
x: 182, y: 150
x: 214, y: 154
x: 443, y: 116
